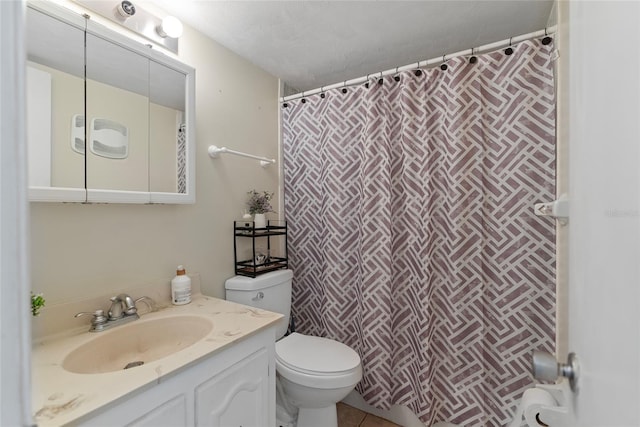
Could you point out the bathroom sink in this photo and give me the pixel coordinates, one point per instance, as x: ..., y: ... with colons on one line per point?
x: 137, y: 343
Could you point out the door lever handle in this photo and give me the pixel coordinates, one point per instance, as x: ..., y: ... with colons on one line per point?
x: 546, y: 368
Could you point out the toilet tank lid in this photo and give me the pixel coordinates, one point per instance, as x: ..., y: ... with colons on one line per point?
x: 243, y: 283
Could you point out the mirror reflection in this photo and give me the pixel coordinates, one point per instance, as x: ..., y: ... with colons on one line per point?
x: 55, y: 101
x: 167, y: 129
x: 117, y: 117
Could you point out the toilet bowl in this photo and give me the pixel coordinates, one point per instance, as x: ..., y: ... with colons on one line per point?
x: 316, y: 373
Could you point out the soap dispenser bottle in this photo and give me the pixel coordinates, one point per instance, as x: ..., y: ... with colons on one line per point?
x: 181, y: 287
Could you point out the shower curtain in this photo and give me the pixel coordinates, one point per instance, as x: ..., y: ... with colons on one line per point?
x: 412, y: 233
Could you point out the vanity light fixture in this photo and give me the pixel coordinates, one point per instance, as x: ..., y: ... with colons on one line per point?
x: 164, y: 32
x: 126, y: 9
x: 170, y: 27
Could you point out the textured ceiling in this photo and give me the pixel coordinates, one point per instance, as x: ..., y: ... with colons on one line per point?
x: 309, y: 44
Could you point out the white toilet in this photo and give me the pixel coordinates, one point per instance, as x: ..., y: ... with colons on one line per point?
x: 315, y: 373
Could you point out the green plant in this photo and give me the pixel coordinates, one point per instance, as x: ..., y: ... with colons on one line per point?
x: 37, y: 302
x: 259, y: 203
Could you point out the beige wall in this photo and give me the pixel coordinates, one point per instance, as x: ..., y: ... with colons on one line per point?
x: 78, y: 251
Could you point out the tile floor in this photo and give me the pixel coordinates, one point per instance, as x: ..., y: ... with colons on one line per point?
x: 348, y: 416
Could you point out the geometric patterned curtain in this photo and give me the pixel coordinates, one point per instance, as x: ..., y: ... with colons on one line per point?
x: 412, y: 236
x: 181, y: 150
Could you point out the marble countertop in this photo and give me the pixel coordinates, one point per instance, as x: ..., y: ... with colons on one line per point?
x: 60, y: 397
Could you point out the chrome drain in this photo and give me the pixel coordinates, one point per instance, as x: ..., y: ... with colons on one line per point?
x: 134, y: 364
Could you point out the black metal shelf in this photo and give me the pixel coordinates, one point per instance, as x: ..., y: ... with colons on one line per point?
x: 256, y: 265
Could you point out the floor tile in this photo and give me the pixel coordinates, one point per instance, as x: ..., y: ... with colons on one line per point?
x: 373, y: 421
x: 348, y: 416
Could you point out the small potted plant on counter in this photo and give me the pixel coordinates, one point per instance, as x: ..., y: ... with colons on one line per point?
x: 37, y: 302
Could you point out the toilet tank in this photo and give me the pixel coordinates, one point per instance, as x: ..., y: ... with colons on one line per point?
x: 269, y: 291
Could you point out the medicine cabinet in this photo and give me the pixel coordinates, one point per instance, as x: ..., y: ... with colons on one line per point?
x: 109, y: 120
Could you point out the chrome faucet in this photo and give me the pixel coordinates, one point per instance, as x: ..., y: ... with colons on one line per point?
x: 122, y: 306
x: 123, y: 310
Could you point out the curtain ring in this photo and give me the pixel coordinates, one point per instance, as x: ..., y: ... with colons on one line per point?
x: 473, y: 58
x: 509, y: 50
x: 304, y: 101
x: 444, y: 66
x: 322, y: 95
x: 418, y: 71
x: 546, y: 39
x: 396, y: 77
x: 344, y: 87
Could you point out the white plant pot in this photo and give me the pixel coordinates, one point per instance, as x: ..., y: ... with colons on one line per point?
x: 259, y: 220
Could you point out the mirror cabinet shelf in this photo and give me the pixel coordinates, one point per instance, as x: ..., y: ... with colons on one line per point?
x: 109, y: 120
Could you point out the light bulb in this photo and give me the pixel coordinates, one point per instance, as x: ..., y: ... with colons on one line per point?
x: 170, y: 27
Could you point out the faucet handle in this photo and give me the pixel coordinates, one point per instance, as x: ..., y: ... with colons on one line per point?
x: 128, y: 305
x: 98, y: 320
x: 149, y: 302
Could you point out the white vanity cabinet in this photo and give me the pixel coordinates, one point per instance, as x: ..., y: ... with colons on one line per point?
x: 238, y: 396
x: 232, y: 387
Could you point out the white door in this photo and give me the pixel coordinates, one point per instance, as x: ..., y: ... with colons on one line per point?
x: 15, y: 345
x: 604, y: 147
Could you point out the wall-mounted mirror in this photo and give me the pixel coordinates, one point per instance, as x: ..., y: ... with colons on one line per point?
x: 114, y: 123
x: 117, y: 117
x: 55, y: 106
x: 166, y: 126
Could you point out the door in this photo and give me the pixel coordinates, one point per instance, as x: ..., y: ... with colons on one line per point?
x: 604, y: 231
x: 15, y: 346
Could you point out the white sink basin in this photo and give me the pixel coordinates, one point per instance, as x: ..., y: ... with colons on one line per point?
x: 141, y: 341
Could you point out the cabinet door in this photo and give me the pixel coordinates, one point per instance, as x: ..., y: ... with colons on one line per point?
x: 236, y: 397
x: 55, y: 106
x: 171, y: 413
x: 166, y: 404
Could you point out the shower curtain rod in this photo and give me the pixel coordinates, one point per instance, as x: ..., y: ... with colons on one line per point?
x: 422, y: 64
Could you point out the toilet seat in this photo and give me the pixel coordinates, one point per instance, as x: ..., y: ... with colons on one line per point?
x: 317, y: 362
